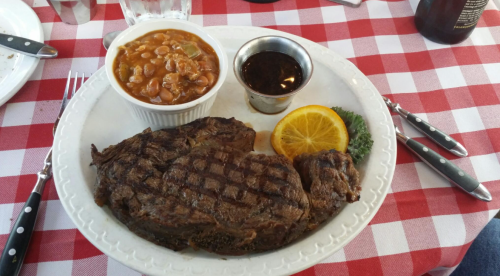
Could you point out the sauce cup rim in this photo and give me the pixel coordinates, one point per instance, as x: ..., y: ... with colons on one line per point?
x: 249, y: 89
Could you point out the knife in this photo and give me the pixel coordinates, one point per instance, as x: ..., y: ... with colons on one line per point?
x: 445, y: 168
x: 27, y: 46
x: 436, y: 135
x: 349, y: 3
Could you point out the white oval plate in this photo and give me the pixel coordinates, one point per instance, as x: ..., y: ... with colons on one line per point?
x: 97, y: 115
x: 17, y: 18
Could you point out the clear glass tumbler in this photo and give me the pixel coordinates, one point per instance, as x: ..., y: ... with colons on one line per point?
x: 139, y: 10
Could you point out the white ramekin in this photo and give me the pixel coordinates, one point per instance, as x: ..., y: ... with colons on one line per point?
x: 167, y: 115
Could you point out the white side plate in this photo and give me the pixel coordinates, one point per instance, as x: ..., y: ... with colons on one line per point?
x: 17, y: 18
x: 97, y: 115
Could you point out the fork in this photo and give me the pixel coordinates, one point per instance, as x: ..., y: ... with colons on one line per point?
x: 439, y: 137
x: 17, y: 244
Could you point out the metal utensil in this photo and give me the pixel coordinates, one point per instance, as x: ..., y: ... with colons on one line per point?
x: 27, y: 46
x: 349, y: 3
x: 445, y: 168
x: 17, y: 244
x: 108, y: 38
x: 272, y: 103
x: 436, y: 135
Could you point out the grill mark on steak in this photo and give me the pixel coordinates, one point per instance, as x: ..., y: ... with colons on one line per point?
x: 184, y: 184
x: 199, y: 185
x: 167, y: 145
x: 221, y: 179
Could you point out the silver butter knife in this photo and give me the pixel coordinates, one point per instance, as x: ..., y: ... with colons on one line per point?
x: 349, y: 3
x: 441, y: 138
x: 445, y: 167
x: 27, y: 46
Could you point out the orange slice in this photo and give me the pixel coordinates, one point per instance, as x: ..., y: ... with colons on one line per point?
x: 309, y: 129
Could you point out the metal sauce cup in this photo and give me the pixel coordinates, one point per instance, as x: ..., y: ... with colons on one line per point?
x: 272, y: 103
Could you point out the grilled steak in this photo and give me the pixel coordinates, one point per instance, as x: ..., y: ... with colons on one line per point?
x: 144, y: 157
x: 330, y: 179
x: 200, y: 186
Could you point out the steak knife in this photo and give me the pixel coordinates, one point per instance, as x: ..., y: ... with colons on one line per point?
x: 436, y: 135
x: 445, y: 168
x: 27, y: 46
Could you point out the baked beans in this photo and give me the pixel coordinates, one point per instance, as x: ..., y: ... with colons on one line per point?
x: 166, y: 67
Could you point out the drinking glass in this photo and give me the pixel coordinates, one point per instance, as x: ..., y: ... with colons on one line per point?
x: 74, y: 12
x: 139, y: 10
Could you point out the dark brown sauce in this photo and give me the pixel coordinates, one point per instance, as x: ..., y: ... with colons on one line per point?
x: 272, y: 73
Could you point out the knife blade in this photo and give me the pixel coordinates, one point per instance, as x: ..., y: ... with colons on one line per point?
x: 349, y: 3
x: 27, y: 46
x: 436, y: 135
x: 445, y: 168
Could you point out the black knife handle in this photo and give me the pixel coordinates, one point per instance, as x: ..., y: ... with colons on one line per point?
x: 19, y: 238
x: 435, y: 134
x: 443, y: 166
x: 441, y: 138
x: 27, y: 46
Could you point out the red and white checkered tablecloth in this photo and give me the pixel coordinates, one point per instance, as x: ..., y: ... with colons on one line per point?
x: 424, y: 225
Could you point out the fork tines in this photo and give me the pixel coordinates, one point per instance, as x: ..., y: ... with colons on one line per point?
x: 65, y: 101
